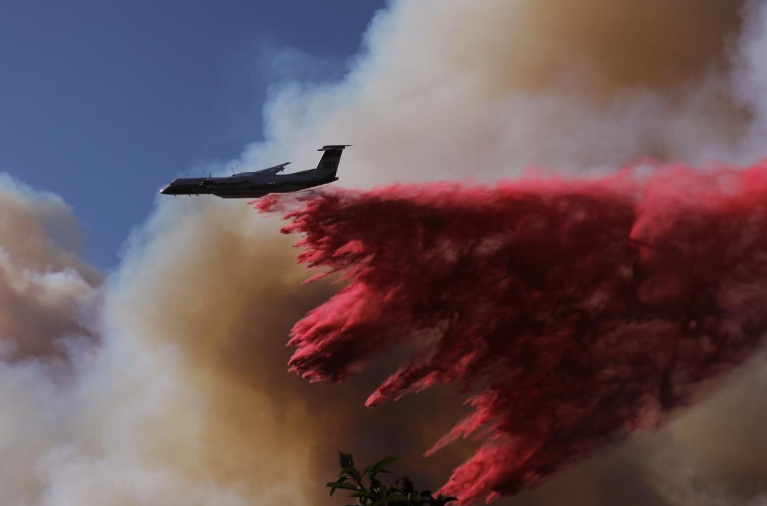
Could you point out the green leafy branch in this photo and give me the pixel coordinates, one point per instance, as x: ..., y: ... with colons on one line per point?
x: 400, y: 493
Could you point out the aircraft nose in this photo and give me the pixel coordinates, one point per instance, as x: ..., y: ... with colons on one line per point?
x: 165, y: 190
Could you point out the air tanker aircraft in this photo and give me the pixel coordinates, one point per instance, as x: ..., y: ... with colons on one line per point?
x: 262, y: 182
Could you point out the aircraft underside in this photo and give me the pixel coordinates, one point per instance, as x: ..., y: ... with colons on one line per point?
x: 255, y: 191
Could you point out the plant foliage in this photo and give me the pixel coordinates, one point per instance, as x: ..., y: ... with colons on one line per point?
x: 365, y: 487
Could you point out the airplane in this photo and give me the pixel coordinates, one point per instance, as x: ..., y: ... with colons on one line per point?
x: 262, y: 182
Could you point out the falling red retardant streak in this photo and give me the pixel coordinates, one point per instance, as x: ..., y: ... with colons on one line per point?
x: 580, y: 310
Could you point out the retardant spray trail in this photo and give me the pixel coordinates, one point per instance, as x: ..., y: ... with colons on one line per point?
x: 580, y: 310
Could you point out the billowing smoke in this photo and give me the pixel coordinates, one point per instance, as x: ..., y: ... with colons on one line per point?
x: 186, y: 398
x: 174, y: 389
x: 44, y: 286
x: 584, y: 308
x: 484, y: 91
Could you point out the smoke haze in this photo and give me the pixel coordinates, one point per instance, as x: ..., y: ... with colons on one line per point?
x: 168, y: 384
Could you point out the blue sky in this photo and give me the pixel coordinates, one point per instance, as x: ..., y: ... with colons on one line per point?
x: 103, y: 101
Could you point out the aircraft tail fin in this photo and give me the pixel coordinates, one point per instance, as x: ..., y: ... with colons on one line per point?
x: 331, y: 157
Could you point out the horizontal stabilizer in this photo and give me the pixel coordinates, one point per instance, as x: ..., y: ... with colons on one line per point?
x: 334, y: 147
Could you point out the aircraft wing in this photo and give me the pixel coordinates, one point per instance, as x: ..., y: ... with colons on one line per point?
x: 273, y: 170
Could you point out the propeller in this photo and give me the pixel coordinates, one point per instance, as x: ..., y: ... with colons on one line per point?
x: 205, y: 180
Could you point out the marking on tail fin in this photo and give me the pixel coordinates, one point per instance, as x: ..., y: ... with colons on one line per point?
x: 331, y: 157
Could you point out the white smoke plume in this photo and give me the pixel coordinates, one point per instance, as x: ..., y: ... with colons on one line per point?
x: 175, y: 391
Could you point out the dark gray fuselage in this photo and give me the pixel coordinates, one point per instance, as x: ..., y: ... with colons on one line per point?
x: 246, y: 184
x: 262, y: 182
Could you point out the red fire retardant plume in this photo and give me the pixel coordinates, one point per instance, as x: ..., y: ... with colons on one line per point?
x: 580, y: 310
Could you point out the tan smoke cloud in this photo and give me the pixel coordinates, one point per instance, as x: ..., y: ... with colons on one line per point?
x: 43, y: 283
x: 456, y: 89
x: 186, y: 398
x: 228, y: 303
